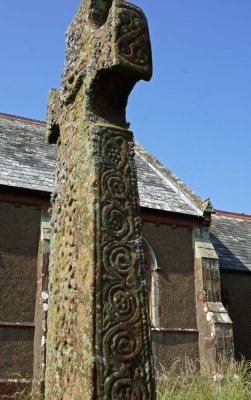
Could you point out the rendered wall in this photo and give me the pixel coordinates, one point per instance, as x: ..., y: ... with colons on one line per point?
x: 169, y: 348
x: 16, y: 352
x: 176, y: 336
x: 236, y: 295
x: 19, y: 236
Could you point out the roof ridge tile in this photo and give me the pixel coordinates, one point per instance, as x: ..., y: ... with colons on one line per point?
x: 233, y: 214
x: 25, y: 119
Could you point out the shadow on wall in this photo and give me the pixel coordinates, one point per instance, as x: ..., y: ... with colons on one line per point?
x: 1, y: 263
x: 227, y: 259
x: 236, y: 294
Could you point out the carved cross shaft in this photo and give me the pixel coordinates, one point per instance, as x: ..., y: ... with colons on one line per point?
x: 98, y: 343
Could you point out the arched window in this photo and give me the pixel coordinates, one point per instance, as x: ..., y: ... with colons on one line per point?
x: 152, y: 283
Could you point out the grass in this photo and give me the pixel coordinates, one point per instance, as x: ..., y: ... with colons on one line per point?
x: 232, y: 382
x: 22, y: 395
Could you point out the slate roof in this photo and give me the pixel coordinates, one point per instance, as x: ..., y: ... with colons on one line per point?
x: 157, y: 192
x: 27, y: 161
x: 231, y: 237
x: 172, y: 180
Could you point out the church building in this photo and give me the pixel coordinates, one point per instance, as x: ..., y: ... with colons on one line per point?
x: 197, y: 260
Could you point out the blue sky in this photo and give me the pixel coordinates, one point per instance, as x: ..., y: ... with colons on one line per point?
x: 195, y: 114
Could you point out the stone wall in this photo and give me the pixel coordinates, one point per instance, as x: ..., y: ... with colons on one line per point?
x: 214, y: 324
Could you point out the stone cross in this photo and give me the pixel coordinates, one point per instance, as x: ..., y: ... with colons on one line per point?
x: 98, y: 341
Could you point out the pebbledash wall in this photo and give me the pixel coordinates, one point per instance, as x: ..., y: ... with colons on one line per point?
x: 171, y: 215
x: 174, y: 328
x: 19, y: 233
x: 21, y: 321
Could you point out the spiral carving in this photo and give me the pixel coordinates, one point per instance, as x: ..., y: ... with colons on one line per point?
x: 122, y: 339
x: 116, y: 222
x: 119, y: 258
x: 123, y: 303
x: 124, y: 345
x: 122, y: 389
x: 118, y: 387
x: 114, y: 185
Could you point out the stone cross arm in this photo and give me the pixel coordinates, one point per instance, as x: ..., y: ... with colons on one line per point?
x: 108, y: 50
